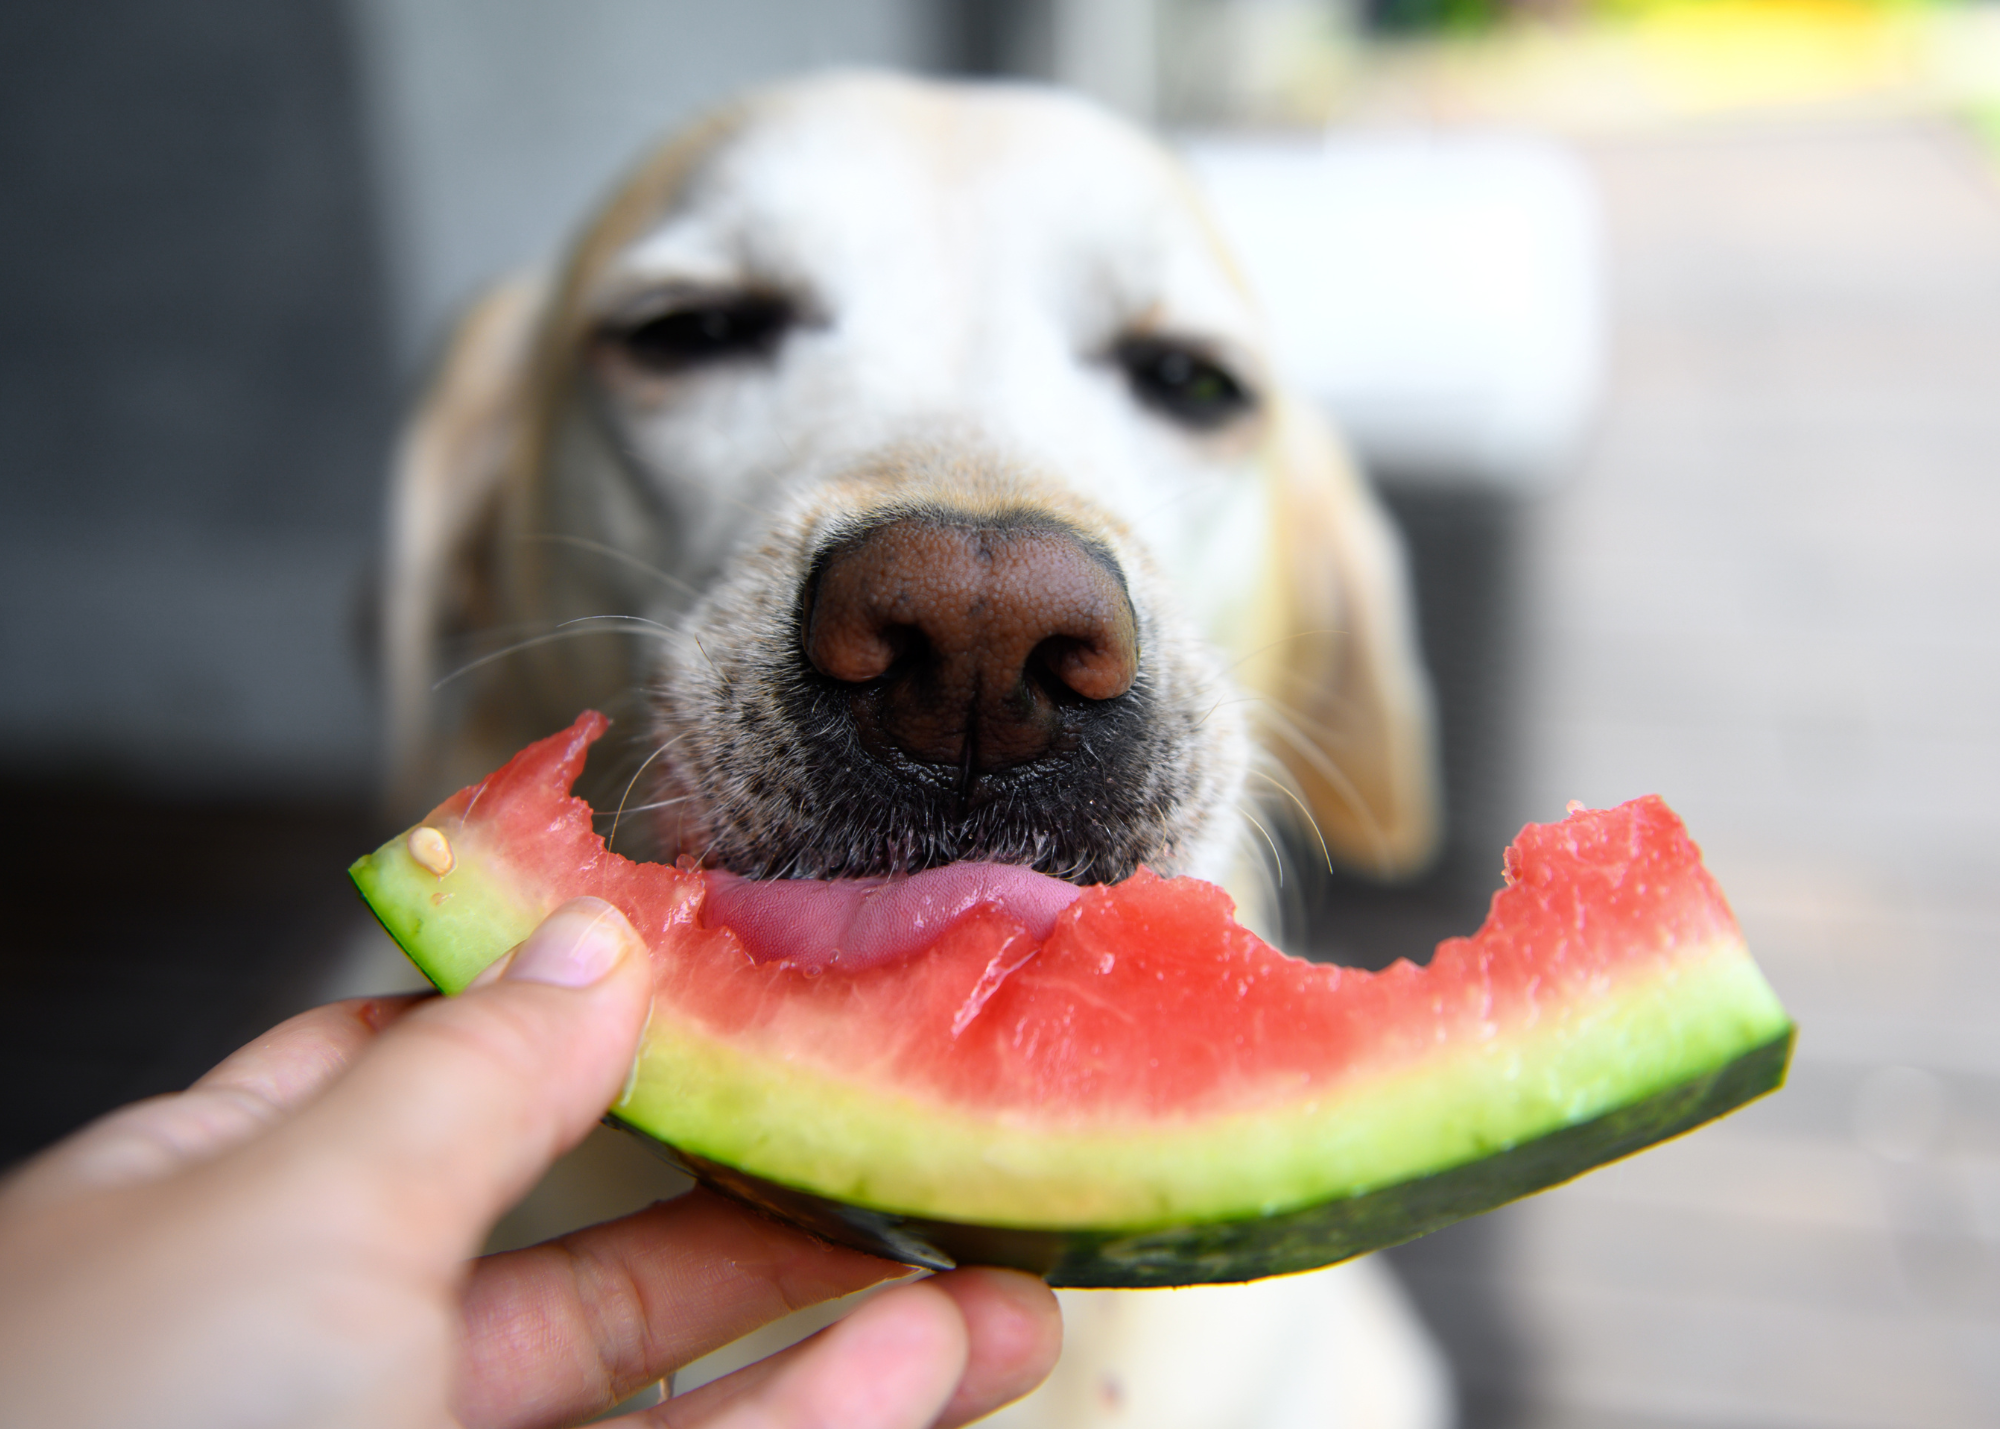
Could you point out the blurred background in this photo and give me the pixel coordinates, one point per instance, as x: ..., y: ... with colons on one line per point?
x: 1670, y: 329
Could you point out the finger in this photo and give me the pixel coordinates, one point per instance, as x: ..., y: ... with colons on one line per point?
x: 893, y: 1364
x: 302, y: 1055
x: 245, y: 1093
x: 1013, y: 1335
x: 457, y: 1109
x: 1014, y: 1330
x: 569, y: 1328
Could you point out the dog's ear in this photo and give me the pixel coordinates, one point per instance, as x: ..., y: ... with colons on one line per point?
x: 1345, y: 707
x: 467, y: 434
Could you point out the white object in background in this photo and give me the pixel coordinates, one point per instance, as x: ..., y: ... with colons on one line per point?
x: 1338, y: 1348
x: 1109, y: 50
x: 1441, y: 296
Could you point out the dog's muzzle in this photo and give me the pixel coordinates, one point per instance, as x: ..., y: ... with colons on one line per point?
x: 946, y: 688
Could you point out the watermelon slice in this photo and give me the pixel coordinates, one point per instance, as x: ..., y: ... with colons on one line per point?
x: 1118, y: 1086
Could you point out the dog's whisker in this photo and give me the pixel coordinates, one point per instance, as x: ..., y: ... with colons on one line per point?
x: 584, y: 543
x: 1323, y: 728
x: 565, y: 631
x: 1277, y: 858
x: 1278, y: 712
x: 711, y: 664
x: 1225, y: 703
x: 621, y: 620
x: 631, y: 783
x: 1324, y: 852
x: 658, y: 804
x: 1317, y: 730
x: 1168, y: 503
x: 1245, y: 658
x: 1281, y: 724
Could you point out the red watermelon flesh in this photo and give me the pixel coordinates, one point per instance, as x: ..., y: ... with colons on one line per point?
x: 1121, y: 1078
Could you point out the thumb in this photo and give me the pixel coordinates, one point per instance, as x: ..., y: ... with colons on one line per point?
x: 458, y: 1108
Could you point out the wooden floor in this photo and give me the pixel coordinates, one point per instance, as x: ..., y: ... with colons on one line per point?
x: 1772, y: 593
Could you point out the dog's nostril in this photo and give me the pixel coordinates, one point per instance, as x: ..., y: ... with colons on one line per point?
x: 857, y: 651
x: 965, y: 639
x: 1093, y: 671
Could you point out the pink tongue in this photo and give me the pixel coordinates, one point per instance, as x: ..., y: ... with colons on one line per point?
x: 854, y: 923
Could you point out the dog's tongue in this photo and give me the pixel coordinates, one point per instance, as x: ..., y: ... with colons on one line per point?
x: 854, y: 923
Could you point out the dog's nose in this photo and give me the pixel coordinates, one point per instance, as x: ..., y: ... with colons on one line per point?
x: 971, y: 643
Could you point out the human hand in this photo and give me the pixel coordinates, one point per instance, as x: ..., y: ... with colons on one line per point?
x: 285, y: 1243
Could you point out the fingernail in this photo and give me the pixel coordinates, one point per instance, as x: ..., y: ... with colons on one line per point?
x: 575, y: 946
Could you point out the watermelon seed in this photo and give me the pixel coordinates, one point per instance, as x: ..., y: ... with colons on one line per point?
x: 431, y: 849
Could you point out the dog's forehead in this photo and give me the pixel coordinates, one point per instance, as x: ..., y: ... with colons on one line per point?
x: 1030, y: 195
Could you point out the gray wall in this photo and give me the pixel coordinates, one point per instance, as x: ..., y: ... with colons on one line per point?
x: 192, y: 390
x: 495, y: 123
x: 230, y: 230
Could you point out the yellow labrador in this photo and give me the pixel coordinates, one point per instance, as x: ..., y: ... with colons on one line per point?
x: 901, y: 463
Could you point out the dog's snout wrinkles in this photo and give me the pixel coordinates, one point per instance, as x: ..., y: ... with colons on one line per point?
x: 969, y: 640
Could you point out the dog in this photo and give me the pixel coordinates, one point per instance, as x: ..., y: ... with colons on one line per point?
x: 900, y: 463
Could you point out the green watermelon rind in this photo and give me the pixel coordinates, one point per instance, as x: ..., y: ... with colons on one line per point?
x: 453, y: 926
x: 798, y: 1124
x: 1250, y: 1248
x: 1216, y: 1199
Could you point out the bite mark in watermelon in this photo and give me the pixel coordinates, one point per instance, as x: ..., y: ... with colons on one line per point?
x: 1136, y: 1091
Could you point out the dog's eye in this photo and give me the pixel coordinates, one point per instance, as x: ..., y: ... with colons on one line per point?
x: 705, y: 332
x: 1180, y: 382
